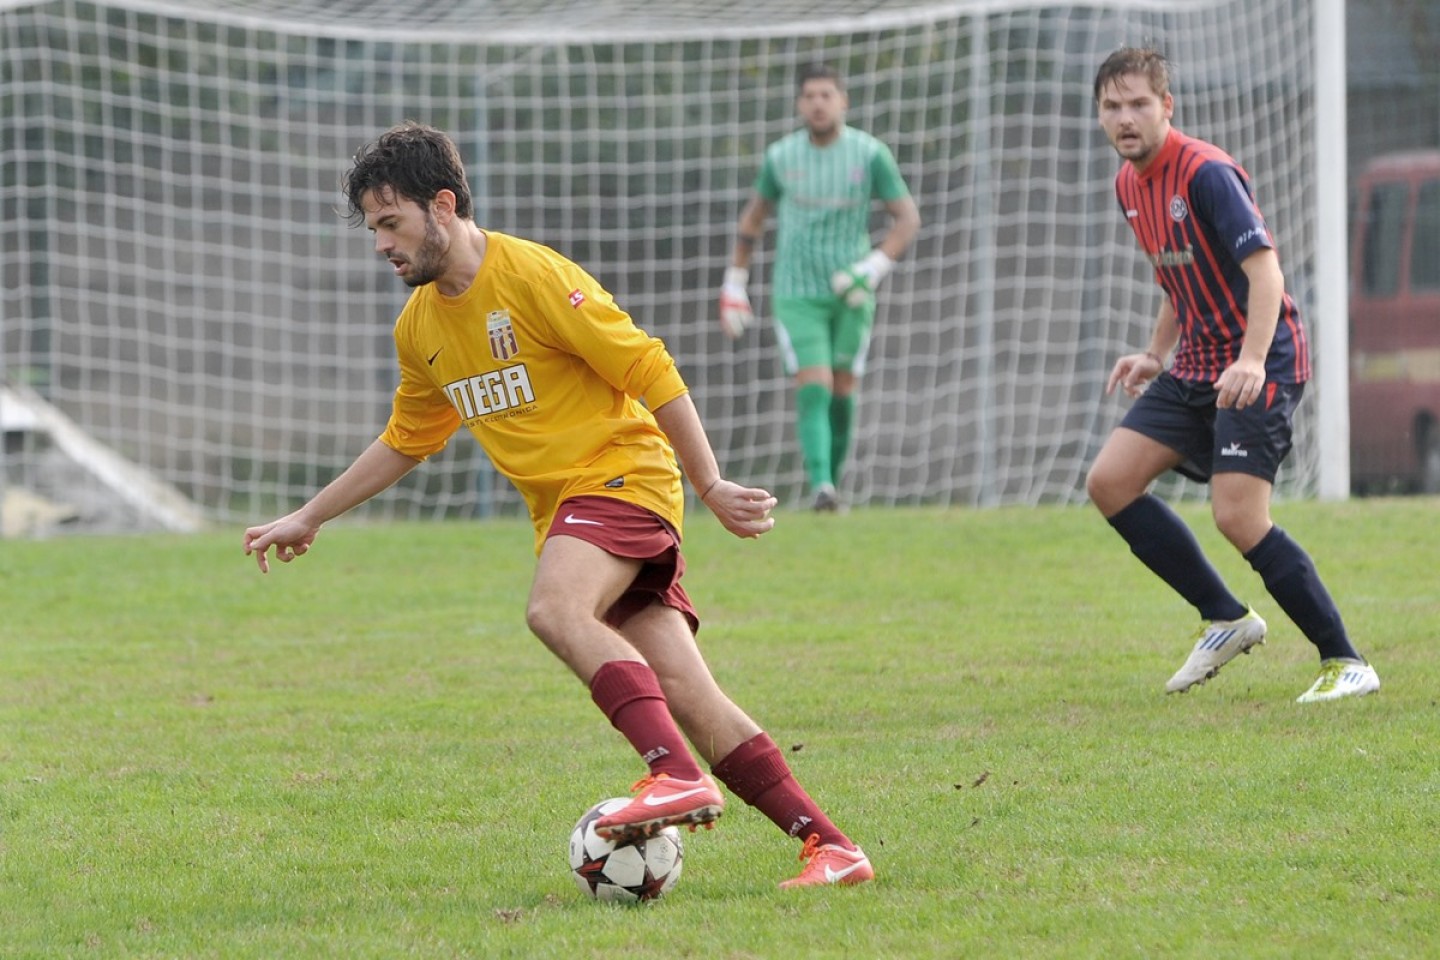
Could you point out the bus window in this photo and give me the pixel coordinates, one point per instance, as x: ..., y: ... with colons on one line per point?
x: 1384, y: 229
x: 1425, y: 249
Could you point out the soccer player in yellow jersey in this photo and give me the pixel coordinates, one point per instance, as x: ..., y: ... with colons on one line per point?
x: 585, y: 414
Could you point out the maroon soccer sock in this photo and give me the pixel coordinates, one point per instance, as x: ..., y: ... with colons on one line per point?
x: 757, y: 773
x: 629, y: 694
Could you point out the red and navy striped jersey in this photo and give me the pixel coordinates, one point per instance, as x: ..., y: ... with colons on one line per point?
x: 1194, y: 212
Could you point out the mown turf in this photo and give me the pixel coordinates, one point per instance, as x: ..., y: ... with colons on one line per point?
x: 365, y: 754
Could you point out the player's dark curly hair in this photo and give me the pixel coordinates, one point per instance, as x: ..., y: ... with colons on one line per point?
x: 1147, y: 61
x: 415, y: 161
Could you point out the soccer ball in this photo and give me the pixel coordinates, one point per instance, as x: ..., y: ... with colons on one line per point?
x: 623, y: 872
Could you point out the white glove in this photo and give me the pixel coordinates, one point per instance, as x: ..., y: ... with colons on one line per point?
x: 857, y: 283
x: 735, y: 312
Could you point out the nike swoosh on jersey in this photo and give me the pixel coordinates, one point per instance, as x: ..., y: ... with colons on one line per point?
x: 571, y: 518
x: 431, y: 360
x: 833, y: 875
x: 653, y: 801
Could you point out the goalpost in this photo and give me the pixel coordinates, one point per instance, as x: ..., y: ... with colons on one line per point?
x: 178, y: 281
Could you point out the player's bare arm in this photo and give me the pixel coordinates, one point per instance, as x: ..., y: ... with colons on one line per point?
x: 749, y: 231
x: 377, y: 469
x: 1134, y: 370
x: 744, y: 511
x: 1242, y: 383
x: 904, y: 225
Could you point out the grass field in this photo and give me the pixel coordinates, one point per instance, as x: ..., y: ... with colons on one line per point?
x: 365, y: 755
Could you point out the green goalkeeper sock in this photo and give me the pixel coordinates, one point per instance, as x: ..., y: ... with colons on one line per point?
x: 842, y: 432
x: 812, y: 404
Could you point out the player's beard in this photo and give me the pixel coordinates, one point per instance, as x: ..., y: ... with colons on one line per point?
x: 823, y: 130
x: 428, y: 264
x: 1145, y: 146
x: 1137, y: 151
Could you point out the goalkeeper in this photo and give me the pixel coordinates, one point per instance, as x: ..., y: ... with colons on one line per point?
x: 821, y: 181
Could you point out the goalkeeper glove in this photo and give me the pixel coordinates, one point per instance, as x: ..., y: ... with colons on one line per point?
x: 735, y: 312
x: 857, y: 283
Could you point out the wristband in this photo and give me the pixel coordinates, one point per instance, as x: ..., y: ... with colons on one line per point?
x: 736, y: 277
x: 709, y: 488
x: 1156, y: 357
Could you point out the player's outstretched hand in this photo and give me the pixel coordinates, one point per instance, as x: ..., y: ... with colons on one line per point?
x: 1132, y: 372
x: 289, y: 536
x: 736, y: 314
x: 744, y: 511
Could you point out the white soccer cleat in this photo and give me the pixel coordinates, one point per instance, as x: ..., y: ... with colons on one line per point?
x: 1341, y: 678
x: 1216, y: 644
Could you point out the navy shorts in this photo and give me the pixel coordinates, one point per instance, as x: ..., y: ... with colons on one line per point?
x: 1182, y: 415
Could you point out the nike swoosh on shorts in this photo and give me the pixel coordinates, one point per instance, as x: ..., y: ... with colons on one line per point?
x: 571, y: 518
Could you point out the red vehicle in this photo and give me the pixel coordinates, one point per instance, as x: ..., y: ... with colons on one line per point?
x: 1395, y: 326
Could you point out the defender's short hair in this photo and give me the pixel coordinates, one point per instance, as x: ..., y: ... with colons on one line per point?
x: 1147, y: 61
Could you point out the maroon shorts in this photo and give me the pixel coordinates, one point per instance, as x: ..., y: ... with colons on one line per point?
x: 626, y: 530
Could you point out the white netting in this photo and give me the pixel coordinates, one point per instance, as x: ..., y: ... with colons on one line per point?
x: 178, y: 281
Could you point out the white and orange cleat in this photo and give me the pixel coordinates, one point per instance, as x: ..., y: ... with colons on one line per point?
x: 830, y: 864
x: 663, y: 801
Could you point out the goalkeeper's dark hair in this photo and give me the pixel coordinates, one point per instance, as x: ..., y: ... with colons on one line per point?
x: 1147, y: 61
x: 818, y: 71
x: 416, y: 162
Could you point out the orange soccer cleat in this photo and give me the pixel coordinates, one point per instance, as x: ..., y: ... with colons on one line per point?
x: 830, y: 864
x: 663, y: 801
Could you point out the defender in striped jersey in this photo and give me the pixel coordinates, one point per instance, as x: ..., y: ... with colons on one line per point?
x: 1222, y: 412
x: 821, y: 180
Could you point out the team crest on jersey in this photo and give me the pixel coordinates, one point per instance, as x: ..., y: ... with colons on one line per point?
x: 502, y: 335
x: 576, y: 297
x: 1178, y: 208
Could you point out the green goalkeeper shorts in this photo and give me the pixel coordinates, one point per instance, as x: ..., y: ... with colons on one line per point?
x: 823, y: 332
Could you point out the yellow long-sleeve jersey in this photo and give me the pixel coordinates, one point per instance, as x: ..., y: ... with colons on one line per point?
x: 548, y: 373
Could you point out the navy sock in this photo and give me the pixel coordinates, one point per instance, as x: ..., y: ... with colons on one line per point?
x: 1290, y: 576
x: 1164, y: 544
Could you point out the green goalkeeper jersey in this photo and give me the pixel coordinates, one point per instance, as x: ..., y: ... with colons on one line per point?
x: 822, y: 199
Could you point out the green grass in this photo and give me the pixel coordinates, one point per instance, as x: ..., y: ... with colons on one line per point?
x: 365, y: 754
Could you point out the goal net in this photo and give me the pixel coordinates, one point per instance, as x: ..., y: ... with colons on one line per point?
x: 179, y: 282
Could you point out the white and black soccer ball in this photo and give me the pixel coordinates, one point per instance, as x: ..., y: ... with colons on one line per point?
x: 623, y: 872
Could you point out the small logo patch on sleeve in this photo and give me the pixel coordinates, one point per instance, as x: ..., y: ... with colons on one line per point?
x: 576, y: 298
